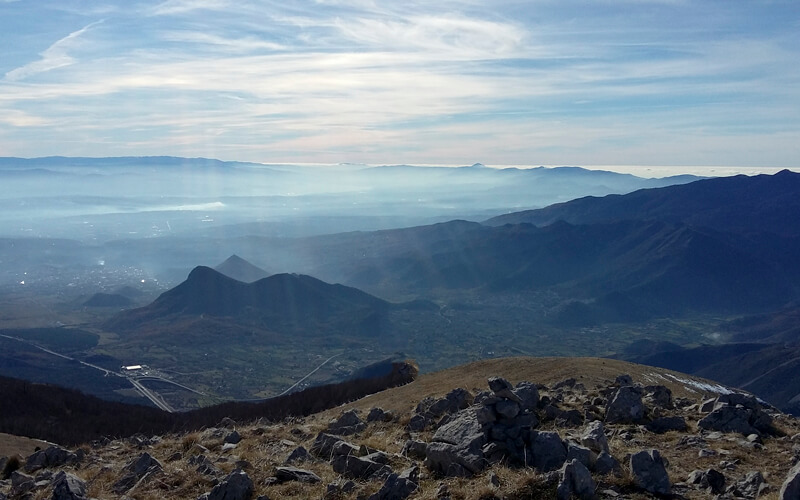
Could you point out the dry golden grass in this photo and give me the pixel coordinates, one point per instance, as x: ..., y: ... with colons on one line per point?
x: 11, y: 445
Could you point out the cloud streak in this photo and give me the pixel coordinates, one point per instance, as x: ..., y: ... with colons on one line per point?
x: 54, y: 57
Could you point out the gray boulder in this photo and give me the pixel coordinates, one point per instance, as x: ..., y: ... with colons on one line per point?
x: 299, y: 454
x: 53, y: 456
x: 398, y: 486
x: 547, y: 451
x: 623, y: 380
x: 379, y: 415
x: 649, y: 472
x: 233, y: 438
x: 606, y: 464
x: 626, y: 406
x: 21, y: 484
x: 575, y: 482
x: 67, y: 486
x: 236, y: 486
x: 579, y: 453
x: 594, y: 436
x: 752, y: 485
x: 659, y: 395
x: 710, y: 479
x: 286, y: 474
x: 324, y: 445
x: 359, y: 467
x: 528, y: 395
x: 137, y: 469
x: 415, y: 449
x: 791, y: 487
x: 456, y: 447
x: 348, y: 423
x: 741, y: 419
x: 502, y: 388
x: 662, y: 425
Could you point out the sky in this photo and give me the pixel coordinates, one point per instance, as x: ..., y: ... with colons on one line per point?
x: 537, y: 82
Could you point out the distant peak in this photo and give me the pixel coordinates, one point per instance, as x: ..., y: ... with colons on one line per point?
x: 478, y: 165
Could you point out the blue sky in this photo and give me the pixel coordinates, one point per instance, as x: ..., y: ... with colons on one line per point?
x: 603, y: 82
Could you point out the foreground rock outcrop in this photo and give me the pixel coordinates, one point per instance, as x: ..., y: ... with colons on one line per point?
x: 613, y: 439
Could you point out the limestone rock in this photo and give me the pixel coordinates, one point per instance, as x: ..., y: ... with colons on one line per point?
x: 67, y: 486
x: 284, y: 474
x: 606, y: 464
x: 137, y: 469
x: 379, y: 415
x: 299, y: 454
x: 649, y: 472
x: 667, y: 424
x: 528, y: 395
x: 575, y: 482
x: 626, y: 406
x: 594, y: 437
x: 547, y: 451
x: 398, y: 486
x: 791, y: 487
x: 710, y: 479
x: 324, y: 444
x: 415, y: 449
x: 741, y: 419
x: 53, y: 456
x: 347, y: 424
x: 359, y: 467
x: 233, y: 438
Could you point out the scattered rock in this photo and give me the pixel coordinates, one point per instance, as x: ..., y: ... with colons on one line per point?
x: 415, y: 449
x: 233, y: 438
x: 324, y: 444
x: 659, y: 396
x: 502, y: 388
x: 299, y: 454
x: 379, y: 415
x: 21, y: 484
x: 606, y: 464
x: 623, y: 380
x: 284, y: 474
x: 667, y: 424
x: 746, y: 421
x: 347, y: 424
x: 53, y: 456
x: 67, y: 486
x: 547, y: 451
x: 135, y: 471
x: 752, y: 485
x: 711, y: 480
x: 205, y: 466
x: 528, y: 395
x: 594, y: 437
x: 791, y: 487
x: 626, y: 406
x: 456, y: 447
x: 575, y: 482
x: 359, y: 467
x: 649, y: 472
x: 398, y: 486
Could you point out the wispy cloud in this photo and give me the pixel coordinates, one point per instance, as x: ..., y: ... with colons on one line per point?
x: 370, y: 81
x: 55, y: 56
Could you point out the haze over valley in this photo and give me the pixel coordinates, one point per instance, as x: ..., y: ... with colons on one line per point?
x: 224, y: 284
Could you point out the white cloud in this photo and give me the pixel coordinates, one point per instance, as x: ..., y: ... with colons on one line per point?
x: 55, y: 56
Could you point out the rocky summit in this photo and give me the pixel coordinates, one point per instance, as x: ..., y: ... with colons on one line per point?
x: 582, y: 437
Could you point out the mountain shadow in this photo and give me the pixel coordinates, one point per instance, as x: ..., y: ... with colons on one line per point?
x: 241, y: 270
